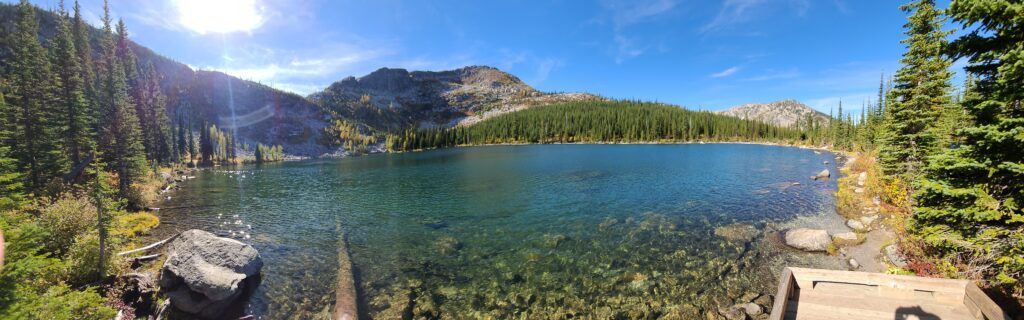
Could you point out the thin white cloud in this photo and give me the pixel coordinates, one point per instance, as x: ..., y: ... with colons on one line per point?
x: 221, y: 16
x: 726, y: 72
x: 624, y: 14
x: 735, y: 12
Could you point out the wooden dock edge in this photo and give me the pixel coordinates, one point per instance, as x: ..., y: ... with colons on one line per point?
x: 980, y: 305
x: 786, y: 286
x: 1, y: 249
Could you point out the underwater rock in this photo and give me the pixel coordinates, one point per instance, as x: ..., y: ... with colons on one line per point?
x: 553, y: 240
x: 868, y: 220
x: 738, y: 232
x: 733, y: 313
x: 204, y: 274
x: 824, y: 174
x: 447, y: 245
x: 858, y: 190
x: 808, y: 239
x: 752, y: 309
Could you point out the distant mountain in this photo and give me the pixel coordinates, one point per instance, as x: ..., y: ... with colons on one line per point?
x: 389, y: 99
x: 785, y: 113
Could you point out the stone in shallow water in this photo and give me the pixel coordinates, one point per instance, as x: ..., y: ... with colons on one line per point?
x: 739, y: 232
x: 752, y: 309
x: 808, y: 239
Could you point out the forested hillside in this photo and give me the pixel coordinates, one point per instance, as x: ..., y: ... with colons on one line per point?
x: 604, y: 121
x: 189, y: 97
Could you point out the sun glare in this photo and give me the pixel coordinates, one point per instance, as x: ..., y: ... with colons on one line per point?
x: 220, y: 16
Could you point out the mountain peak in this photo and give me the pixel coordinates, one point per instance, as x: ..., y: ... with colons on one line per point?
x: 784, y: 113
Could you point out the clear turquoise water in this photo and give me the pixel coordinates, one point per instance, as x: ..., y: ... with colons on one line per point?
x: 550, y: 231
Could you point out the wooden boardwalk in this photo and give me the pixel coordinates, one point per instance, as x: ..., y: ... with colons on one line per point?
x: 836, y: 295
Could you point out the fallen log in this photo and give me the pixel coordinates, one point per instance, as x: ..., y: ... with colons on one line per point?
x: 144, y: 258
x: 149, y: 247
x: 345, y: 294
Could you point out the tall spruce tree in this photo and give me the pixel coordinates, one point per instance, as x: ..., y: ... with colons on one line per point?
x: 11, y: 191
x: 122, y: 138
x: 37, y: 134
x: 971, y: 201
x: 83, y: 47
x: 153, y: 116
x: 922, y: 90
x: 73, y: 107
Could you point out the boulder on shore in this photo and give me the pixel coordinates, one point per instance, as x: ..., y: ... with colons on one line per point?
x: 808, y: 239
x: 204, y: 274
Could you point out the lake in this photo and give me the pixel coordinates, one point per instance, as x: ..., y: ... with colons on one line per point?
x: 538, y: 231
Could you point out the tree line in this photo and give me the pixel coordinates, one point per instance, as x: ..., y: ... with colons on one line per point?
x: 597, y: 121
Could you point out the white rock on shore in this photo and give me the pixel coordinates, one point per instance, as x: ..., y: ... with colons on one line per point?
x: 808, y: 239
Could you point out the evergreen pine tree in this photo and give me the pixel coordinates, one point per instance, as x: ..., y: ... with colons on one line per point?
x: 152, y: 103
x: 122, y: 138
x: 922, y: 87
x: 74, y: 108
x: 37, y: 132
x: 11, y: 192
x: 971, y: 200
x: 83, y: 47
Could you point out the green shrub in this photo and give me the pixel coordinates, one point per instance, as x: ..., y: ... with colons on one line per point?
x: 66, y: 219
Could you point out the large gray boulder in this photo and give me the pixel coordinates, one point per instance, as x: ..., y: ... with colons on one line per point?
x: 204, y: 273
x: 808, y: 239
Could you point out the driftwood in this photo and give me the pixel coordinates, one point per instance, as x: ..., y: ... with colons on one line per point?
x: 144, y: 258
x: 149, y: 247
x: 345, y: 296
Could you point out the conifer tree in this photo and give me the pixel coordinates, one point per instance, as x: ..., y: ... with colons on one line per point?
x: 921, y: 91
x: 73, y: 108
x: 971, y: 201
x: 152, y: 104
x: 36, y: 132
x: 83, y: 47
x: 122, y: 138
x: 129, y: 62
x: 11, y: 192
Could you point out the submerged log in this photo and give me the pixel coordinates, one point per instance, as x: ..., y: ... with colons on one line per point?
x: 345, y: 296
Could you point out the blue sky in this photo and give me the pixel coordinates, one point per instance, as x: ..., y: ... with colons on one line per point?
x: 696, y: 53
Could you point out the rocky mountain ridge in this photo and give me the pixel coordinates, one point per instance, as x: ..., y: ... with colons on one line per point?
x: 784, y: 113
x: 433, y: 98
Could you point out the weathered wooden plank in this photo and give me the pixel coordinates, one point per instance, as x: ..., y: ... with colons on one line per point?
x: 786, y: 287
x: 877, y: 307
x: 985, y: 304
x: 893, y: 281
